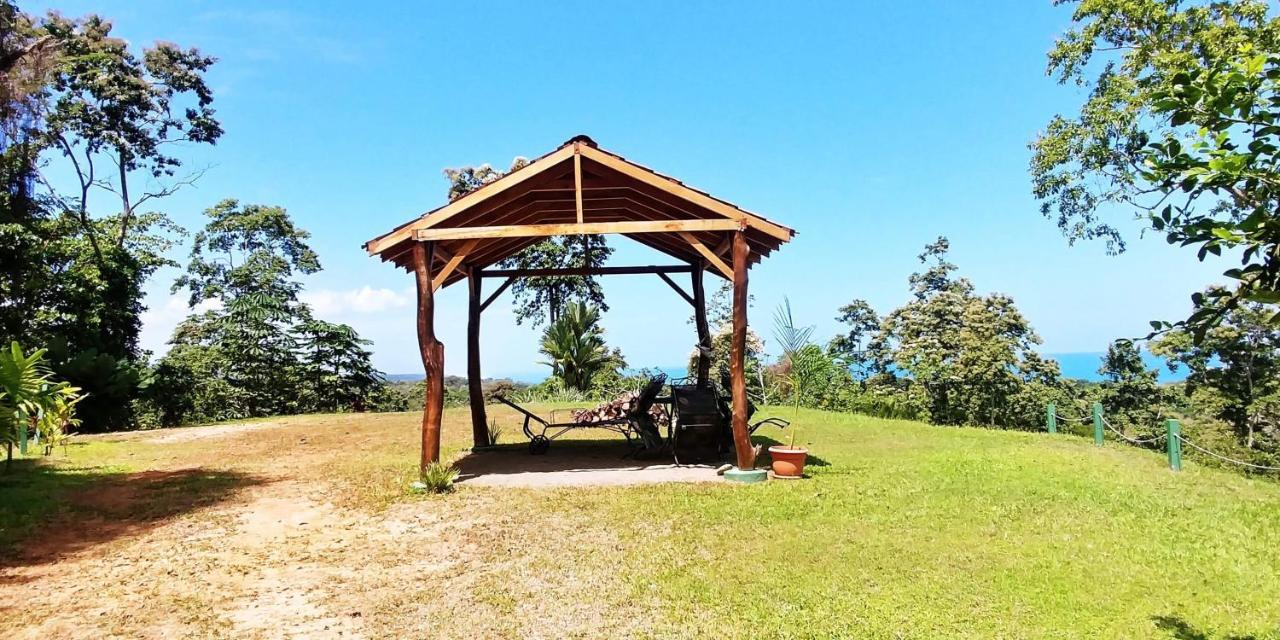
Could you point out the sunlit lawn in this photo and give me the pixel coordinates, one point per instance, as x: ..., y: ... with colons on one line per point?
x: 902, y: 530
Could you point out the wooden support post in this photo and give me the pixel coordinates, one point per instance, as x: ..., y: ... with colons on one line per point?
x: 1097, y: 423
x: 432, y: 354
x: 738, y: 353
x: 479, y: 421
x: 704, y: 331
x: 1174, y: 436
x: 1051, y: 418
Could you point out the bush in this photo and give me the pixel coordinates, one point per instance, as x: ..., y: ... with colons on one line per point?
x: 438, y: 477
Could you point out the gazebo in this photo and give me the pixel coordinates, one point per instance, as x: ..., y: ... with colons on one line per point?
x: 577, y: 189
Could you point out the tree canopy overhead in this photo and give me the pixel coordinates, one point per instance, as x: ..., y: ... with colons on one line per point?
x: 1179, y: 126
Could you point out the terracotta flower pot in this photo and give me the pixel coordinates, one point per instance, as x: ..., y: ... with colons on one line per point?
x: 788, y: 462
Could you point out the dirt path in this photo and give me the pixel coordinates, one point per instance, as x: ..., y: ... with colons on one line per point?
x: 281, y: 554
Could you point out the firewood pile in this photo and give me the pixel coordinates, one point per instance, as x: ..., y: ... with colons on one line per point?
x: 619, y: 408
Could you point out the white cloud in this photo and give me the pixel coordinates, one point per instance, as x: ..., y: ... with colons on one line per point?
x: 330, y: 302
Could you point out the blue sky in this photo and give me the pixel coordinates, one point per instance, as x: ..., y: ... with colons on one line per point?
x: 871, y: 128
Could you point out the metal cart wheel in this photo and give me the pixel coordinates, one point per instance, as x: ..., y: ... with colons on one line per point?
x: 539, y: 444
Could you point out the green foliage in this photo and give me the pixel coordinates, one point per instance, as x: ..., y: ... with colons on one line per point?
x: 574, y: 346
x: 1199, y: 79
x: 542, y: 298
x: 970, y: 354
x: 32, y: 403
x: 1234, y: 373
x: 438, y: 477
x: 81, y: 105
x: 1130, y: 394
x: 854, y: 347
x: 261, y: 353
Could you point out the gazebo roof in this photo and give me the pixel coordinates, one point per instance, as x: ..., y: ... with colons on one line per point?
x: 579, y: 189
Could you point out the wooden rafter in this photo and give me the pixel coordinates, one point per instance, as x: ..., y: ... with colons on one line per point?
x: 587, y: 228
x: 454, y: 260
x: 711, y: 257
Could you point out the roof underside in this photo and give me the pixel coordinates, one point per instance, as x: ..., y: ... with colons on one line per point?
x: 500, y: 219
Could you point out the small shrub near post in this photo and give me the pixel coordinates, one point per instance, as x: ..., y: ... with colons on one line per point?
x: 1097, y: 423
x: 1175, y: 444
x: 1051, y: 418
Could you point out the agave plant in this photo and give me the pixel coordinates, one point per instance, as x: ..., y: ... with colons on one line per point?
x: 31, y: 403
x: 574, y: 348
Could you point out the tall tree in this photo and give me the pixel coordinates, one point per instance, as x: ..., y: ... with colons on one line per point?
x: 542, y: 299
x: 1131, y: 392
x: 971, y: 354
x: 336, y: 367
x: 79, y: 102
x: 854, y: 346
x: 1179, y: 125
x: 248, y: 257
x: 1238, y: 363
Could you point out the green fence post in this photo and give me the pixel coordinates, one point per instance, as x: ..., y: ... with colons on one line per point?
x: 22, y: 439
x: 1175, y: 444
x: 1051, y: 418
x: 1097, y: 423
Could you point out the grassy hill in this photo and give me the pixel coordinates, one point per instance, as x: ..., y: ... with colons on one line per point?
x: 902, y: 530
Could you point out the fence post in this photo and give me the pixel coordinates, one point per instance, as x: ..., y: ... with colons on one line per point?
x: 1097, y: 423
x: 1051, y: 418
x: 1175, y: 444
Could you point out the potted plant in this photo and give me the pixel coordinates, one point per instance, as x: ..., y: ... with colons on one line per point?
x: 788, y: 460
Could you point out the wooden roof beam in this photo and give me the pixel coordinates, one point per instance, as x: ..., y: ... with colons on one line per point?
x: 589, y: 228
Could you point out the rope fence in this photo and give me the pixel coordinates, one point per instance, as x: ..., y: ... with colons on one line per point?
x: 1172, y: 436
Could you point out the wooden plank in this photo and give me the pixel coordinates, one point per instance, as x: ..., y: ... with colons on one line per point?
x: 738, y: 354
x: 704, y: 330
x: 675, y: 287
x: 592, y: 228
x: 479, y: 421
x: 711, y: 257
x: 537, y: 167
x: 577, y: 180
x: 454, y: 260
x: 585, y: 271
x: 497, y: 292
x: 701, y: 199
x: 432, y: 352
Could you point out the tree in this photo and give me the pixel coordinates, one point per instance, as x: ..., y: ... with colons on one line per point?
x: 1131, y: 394
x: 854, y: 347
x: 971, y: 354
x: 792, y: 340
x: 247, y: 258
x: 1195, y: 77
x: 574, y: 346
x: 542, y: 298
x: 336, y: 367
x: 1237, y: 361
x: 78, y: 102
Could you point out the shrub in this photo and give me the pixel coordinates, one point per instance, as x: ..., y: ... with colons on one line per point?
x: 438, y: 477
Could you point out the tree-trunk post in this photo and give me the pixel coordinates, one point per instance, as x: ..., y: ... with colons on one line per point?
x: 1174, y: 436
x: 700, y: 320
x: 1051, y: 418
x: 1097, y: 423
x: 479, y: 421
x: 738, y: 353
x: 432, y: 354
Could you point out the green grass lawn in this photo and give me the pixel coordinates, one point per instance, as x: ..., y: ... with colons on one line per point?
x: 901, y: 530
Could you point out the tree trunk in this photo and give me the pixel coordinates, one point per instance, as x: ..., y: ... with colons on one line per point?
x: 737, y: 357
x: 479, y: 421
x: 432, y: 355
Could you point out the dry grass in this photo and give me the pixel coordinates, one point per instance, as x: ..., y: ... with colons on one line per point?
x: 305, y: 527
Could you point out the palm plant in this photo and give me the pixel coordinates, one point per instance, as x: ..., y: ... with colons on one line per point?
x: 792, y: 339
x: 31, y: 400
x: 574, y: 346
